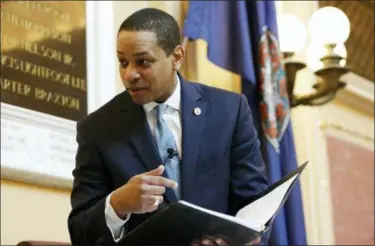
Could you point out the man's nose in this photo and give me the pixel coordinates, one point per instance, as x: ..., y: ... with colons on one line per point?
x: 131, y: 74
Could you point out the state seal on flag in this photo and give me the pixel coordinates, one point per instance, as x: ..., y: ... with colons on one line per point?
x: 274, y: 102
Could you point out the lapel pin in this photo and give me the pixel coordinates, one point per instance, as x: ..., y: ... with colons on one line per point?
x: 197, y: 111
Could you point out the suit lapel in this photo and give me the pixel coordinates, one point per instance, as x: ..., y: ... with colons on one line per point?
x: 193, y: 119
x: 140, y: 137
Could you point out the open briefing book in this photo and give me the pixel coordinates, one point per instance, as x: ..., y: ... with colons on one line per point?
x: 181, y: 222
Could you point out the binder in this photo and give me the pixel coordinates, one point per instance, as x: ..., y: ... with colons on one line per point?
x: 181, y: 222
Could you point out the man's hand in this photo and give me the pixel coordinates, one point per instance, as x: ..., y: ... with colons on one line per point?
x: 142, y: 193
x: 206, y: 240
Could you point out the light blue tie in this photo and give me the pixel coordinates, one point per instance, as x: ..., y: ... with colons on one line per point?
x: 165, y: 141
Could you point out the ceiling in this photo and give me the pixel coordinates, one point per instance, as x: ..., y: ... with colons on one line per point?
x: 360, y: 44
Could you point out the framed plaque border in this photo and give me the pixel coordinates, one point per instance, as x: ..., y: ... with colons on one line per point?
x: 39, y: 148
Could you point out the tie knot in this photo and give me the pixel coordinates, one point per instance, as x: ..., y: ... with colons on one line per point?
x: 160, y: 109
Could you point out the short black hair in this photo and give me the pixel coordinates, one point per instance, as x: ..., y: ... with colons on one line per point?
x: 161, y: 23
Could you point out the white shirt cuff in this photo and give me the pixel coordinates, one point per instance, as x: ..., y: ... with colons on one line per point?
x: 114, y: 223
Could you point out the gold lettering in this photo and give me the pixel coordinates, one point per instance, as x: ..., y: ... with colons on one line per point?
x: 78, y: 83
x: 51, y: 54
x: 4, y: 60
x: 43, y: 72
x: 15, y: 87
x: 38, y: 6
x: 9, y: 42
x: 41, y: 50
x: 36, y: 27
x: 57, y: 99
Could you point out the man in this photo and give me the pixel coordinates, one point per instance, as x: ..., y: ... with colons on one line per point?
x: 161, y: 140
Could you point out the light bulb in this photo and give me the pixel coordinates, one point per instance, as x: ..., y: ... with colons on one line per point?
x: 329, y: 25
x: 315, y: 52
x: 292, y: 33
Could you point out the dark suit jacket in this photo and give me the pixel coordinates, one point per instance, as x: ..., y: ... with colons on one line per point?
x: 221, y: 168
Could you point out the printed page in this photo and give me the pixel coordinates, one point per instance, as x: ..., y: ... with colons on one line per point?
x: 259, y: 212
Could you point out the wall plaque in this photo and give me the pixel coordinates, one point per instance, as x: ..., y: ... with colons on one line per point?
x: 43, y: 57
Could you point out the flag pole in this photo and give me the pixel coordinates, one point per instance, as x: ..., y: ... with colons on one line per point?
x: 185, y: 42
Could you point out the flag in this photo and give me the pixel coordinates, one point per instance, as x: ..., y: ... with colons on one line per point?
x: 242, y: 37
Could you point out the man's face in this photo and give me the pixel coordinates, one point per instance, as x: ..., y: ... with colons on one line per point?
x: 146, y: 71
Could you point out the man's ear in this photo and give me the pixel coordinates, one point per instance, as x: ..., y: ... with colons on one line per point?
x: 178, y: 56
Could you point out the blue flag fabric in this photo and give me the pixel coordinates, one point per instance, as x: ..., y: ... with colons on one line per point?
x: 242, y: 37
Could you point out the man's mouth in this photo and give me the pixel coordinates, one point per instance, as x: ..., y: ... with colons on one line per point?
x: 138, y: 91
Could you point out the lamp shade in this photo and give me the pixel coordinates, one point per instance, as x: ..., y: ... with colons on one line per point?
x: 292, y: 33
x: 329, y: 25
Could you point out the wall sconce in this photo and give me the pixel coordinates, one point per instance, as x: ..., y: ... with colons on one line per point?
x: 329, y: 28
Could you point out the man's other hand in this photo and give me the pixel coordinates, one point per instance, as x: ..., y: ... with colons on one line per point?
x: 142, y: 193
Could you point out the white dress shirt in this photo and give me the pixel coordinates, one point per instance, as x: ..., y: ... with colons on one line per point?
x: 172, y: 117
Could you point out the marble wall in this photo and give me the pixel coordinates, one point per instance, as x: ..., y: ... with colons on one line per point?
x: 352, y: 187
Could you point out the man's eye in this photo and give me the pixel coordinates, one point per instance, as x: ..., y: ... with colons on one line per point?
x: 143, y: 62
x: 123, y: 63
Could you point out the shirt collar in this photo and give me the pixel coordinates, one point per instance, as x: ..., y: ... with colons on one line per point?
x: 173, y: 101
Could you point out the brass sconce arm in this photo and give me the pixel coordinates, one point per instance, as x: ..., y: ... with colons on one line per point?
x: 328, y: 79
x: 326, y: 55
